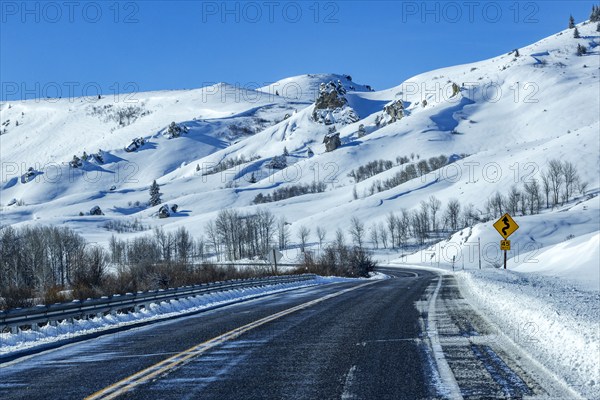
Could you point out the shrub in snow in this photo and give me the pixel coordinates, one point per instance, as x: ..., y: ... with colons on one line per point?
x: 277, y: 162
x: 164, y: 212
x: 332, y: 141
x: 361, y: 131
x: 230, y: 163
x: 96, y: 211
x: 12, y: 202
x: 174, y: 130
x: 581, y: 50
x: 174, y: 208
x: 75, y: 162
x: 287, y: 192
x: 309, y: 153
x: 455, y: 89
x: 395, y: 110
x: 123, y: 116
x: 135, y: 144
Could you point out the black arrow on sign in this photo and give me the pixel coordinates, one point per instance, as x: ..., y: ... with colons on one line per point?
x: 506, y: 225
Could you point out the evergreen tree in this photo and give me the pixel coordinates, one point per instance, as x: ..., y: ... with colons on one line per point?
x: 285, y: 152
x: 571, y: 22
x: 598, y: 27
x: 576, y: 33
x: 581, y: 50
x: 252, y: 178
x: 155, y: 194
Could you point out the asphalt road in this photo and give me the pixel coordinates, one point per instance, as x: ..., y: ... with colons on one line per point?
x: 356, y: 340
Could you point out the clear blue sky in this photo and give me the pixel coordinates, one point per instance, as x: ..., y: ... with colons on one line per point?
x: 46, y: 47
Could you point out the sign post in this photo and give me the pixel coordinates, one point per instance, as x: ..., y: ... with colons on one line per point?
x: 505, y: 226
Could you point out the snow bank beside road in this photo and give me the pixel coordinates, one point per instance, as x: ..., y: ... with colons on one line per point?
x: 576, y: 259
x: 558, y: 324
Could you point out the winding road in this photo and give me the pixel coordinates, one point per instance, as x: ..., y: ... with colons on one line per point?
x: 412, y: 336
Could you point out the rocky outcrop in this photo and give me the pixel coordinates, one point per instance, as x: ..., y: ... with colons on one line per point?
x: 331, y: 105
x: 395, y: 110
x: 332, y: 141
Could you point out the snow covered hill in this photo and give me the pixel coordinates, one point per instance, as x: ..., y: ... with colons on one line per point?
x: 317, y: 150
x: 498, y: 122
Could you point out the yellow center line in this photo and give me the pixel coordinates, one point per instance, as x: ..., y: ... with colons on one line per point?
x: 172, y: 362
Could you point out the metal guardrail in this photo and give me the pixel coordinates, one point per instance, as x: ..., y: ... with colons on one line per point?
x: 33, y: 316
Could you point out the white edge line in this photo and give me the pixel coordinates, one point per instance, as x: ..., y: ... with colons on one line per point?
x: 443, y: 368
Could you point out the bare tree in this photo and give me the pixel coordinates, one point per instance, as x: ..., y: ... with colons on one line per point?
x: 321, y: 233
x: 452, y: 213
x: 469, y: 215
x: 582, y: 187
x: 555, y: 176
x: 513, y: 200
x: 340, y: 240
x: 419, y: 226
x: 434, y: 206
x: 383, y: 235
x: 546, y: 187
x: 357, y: 231
x: 374, y: 235
x: 213, y: 238
x: 391, y: 225
x: 266, y: 229
x: 165, y: 243
x: 496, y: 205
x: 533, y: 196
x: 303, y: 233
x: 570, y: 178
x: 403, y: 227
x: 184, y: 245
x: 424, y: 214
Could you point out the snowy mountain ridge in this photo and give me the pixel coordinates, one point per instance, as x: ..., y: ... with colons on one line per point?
x: 499, y: 121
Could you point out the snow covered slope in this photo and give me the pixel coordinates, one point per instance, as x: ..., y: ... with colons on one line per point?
x: 500, y: 119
